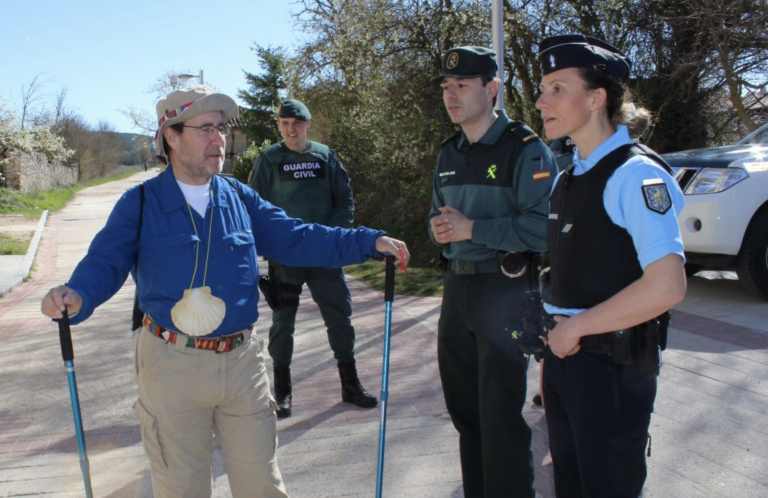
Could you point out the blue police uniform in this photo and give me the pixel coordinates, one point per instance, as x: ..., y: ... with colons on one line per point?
x: 598, y: 412
x: 654, y: 237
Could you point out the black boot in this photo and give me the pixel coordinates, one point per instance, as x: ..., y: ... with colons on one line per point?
x: 351, y: 389
x: 283, y: 391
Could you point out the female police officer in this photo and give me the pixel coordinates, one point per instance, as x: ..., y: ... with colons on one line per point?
x: 616, y: 269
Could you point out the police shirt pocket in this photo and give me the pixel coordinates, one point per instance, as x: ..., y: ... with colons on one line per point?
x: 149, y: 435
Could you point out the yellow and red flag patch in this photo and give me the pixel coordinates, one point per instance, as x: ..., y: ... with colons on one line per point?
x: 541, y: 175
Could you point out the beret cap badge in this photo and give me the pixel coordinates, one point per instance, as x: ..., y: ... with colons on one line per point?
x: 552, y: 61
x: 453, y: 61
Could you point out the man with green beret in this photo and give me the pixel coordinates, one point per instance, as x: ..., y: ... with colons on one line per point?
x: 490, y: 193
x: 308, y: 181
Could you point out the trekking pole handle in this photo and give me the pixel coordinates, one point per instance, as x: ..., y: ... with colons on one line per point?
x: 65, y: 337
x: 389, y: 280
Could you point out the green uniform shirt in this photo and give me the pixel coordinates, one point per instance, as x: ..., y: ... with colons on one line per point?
x: 502, y: 182
x: 311, y: 185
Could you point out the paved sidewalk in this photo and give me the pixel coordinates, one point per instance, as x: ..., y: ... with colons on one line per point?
x: 710, y: 436
x: 14, y: 269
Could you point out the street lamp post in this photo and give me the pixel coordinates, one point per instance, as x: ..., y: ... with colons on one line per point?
x: 497, y: 27
x: 175, y: 78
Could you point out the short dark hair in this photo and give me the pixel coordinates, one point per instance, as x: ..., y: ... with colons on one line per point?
x: 178, y: 128
x: 487, y: 78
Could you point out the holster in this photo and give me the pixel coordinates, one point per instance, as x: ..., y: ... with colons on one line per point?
x: 640, y: 345
x: 278, y: 294
x: 530, y: 341
x: 537, y: 323
x: 648, y: 340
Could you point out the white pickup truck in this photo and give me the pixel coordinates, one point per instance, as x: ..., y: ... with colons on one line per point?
x: 725, y: 220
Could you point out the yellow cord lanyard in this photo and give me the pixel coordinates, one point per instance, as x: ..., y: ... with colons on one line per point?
x: 197, y: 251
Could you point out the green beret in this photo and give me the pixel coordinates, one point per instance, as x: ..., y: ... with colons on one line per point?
x: 468, y: 62
x: 292, y: 108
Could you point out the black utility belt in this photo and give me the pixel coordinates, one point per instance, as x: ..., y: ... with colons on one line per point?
x: 605, y: 343
x: 461, y: 267
x: 512, y: 264
x: 627, y: 347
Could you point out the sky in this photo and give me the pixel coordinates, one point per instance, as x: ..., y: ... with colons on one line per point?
x: 107, y: 53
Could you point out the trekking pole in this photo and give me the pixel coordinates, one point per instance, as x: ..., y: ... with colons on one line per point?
x: 389, y: 295
x: 67, y: 352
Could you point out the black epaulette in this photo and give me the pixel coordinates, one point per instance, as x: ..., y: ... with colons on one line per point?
x: 450, y: 138
x: 522, y: 132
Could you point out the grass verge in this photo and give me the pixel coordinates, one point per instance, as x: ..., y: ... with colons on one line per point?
x: 33, y: 205
x: 423, y: 282
x: 10, y: 246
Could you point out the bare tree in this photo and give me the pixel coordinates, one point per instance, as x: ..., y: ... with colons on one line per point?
x: 736, y: 31
x: 60, y: 109
x: 167, y: 82
x: 32, y: 97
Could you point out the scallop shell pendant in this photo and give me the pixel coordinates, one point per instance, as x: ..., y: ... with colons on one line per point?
x: 198, y: 312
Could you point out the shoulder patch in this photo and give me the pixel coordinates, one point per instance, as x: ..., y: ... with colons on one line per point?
x: 522, y: 132
x: 657, y: 197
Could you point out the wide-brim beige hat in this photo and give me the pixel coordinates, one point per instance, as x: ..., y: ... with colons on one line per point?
x: 182, y: 105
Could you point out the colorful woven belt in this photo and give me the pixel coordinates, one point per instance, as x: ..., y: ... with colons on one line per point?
x: 217, y: 344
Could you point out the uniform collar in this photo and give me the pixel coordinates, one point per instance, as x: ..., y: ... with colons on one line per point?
x: 307, y: 150
x: 621, y: 137
x: 492, y: 135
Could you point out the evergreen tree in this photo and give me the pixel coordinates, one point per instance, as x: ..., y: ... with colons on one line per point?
x: 263, y: 95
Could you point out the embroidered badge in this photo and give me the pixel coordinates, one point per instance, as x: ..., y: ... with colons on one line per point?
x: 492, y: 171
x: 552, y: 61
x: 541, y: 175
x: 657, y: 198
x: 453, y: 61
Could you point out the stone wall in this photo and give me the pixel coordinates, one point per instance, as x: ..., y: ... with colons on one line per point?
x: 30, y: 172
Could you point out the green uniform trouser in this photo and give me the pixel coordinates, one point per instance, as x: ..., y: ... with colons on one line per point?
x: 330, y: 292
x: 483, y: 374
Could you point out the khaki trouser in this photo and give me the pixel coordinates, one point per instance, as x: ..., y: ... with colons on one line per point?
x: 186, y: 394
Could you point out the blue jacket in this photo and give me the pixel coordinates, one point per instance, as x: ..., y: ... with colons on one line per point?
x: 167, y: 248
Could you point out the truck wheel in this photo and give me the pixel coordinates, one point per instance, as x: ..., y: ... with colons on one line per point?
x: 752, y: 262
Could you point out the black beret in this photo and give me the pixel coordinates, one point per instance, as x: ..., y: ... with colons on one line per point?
x: 564, y: 51
x: 468, y: 62
x: 292, y: 108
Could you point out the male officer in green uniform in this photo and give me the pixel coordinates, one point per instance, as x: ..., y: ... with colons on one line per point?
x: 491, y: 188
x: 308, y: 181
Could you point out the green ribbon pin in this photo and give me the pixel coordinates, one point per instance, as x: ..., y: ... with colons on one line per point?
x: 492, y: 171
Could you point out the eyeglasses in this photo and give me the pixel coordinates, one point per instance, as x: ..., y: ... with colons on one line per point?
x: 208, y: 130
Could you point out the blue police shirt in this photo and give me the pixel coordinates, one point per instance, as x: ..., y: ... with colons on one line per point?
x: 240, y: 230
x: 654, y: 235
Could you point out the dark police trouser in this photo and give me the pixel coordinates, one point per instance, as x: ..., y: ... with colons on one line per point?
x: 597, y: 416
x: 330, y: 292
x: 484, y: 381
